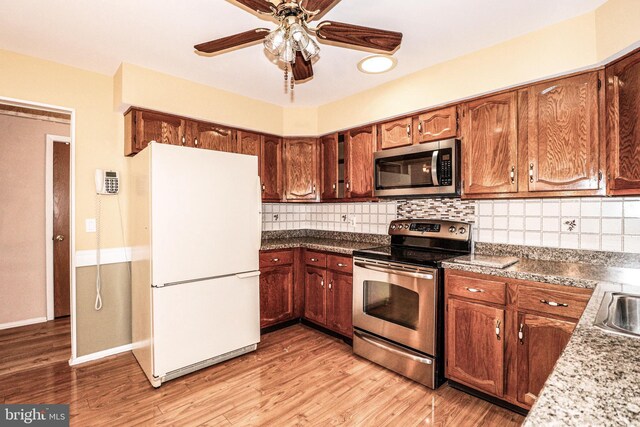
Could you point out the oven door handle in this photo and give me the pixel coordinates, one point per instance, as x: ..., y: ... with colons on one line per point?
x: 375, y: 342
x: 434, y: 168
x: 392, y: 271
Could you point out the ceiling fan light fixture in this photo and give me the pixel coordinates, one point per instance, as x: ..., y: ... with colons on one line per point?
x: 377, y: 64
x: 275, y: 40
x: 310, y: 50
x: 287, y: 53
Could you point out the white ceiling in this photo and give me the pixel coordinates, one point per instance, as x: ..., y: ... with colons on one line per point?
x: 98, y: 35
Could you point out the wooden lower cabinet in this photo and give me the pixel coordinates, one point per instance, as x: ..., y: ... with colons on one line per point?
x: 328, y: 296
x: 507, y: 347
x: 475, y: 345
x: 540, y: 344
x: 277, y: 287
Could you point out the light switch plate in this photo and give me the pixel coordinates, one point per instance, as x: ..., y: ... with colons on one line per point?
x: 90, y: 225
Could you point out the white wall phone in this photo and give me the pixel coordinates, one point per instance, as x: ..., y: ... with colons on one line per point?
x: 107, y: 182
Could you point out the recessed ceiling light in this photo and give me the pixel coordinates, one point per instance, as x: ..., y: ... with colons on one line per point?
x: 377, y: 64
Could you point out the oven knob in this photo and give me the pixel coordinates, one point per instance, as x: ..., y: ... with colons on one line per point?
x: 462, y: 230
x: 452, y: 229
x: 406, y: 226
x: 393, y: 226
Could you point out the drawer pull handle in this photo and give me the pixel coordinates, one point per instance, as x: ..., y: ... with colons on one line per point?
x: 275, y: 259
x: 474, y: 290
x: 330, y: 285
x: 322, y: 283
x: 498, y: 330
x: 553, y: 303
x: 521, y: 334
x: 341, y: 264
x: 314, y: 259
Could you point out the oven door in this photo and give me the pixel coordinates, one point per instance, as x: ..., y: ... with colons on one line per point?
x: 396, y: 302
x: 430, y: 168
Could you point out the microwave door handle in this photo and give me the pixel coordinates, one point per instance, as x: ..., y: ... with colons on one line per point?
x: 434, y: 168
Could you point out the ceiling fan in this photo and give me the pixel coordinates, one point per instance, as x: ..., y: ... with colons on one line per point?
x: 291, y: 43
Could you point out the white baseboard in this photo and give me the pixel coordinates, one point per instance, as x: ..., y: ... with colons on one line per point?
x: 107, y: 256
x: 100, y: 354
x: 23, y: 323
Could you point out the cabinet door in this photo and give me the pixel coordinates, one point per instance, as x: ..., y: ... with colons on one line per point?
x: 436, y: 125
x: 563, y: 134
x: 147, y: 126
x: 301, y: 169
x: 359, y: 162
x: 396, y: 134
x: 271, y: 169
x: 340, y: 302
x: 211, y: 137
x: 541, y: 341
x: 249, y: 143
x: 475, y: 346
x: 490, y: 146
x: 623, y: 125
x: 329, y: 166
x: 315, y: 295
x: 276, y: 295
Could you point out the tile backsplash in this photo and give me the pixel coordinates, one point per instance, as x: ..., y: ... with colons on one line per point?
x: 594, y: 223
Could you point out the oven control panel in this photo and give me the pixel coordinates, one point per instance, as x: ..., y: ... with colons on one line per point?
x: 430, y: 228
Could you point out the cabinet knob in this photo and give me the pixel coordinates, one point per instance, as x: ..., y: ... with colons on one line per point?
x: 322, y: 283
x: 195, y: 142
x: 314, y: 259
x: 409, y: 130
x: 531, y: 172
x: 521, y: 334
x: 347, y: 185
x: 498, y: 330
x: 314, y: 189
x: 264, y: 187
x: 341, y: 264
x: 420, y: 128
x: 553, y: 303
x: 184, y: 141
x: 275, y: 259
x: 512, y: 174
x: 334, y: 186
x: 330, y: 285
x: 474, y: 290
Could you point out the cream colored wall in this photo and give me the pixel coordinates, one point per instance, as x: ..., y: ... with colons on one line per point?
x: 617, y: 27
x: 300, y: 122
x: 559, y: 48
x: 142, y: 87
x: 22, y: 216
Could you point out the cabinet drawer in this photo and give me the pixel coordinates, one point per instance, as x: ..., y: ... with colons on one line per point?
x: 477, y: 289
x: 276, y: 258
x: 551, y: 301
x: 340, y: 263
x: 316, y: 259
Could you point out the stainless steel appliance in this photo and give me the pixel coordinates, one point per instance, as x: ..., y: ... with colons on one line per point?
x: 398, y: 298
x: 429, y: 169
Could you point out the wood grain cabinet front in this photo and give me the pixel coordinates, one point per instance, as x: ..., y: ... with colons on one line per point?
x: 277, y: 287
x: 315, y: 295
x: 142, y: 127
x: 340, y: 302
x: 359, y: 148
x: 301, y: 170
x: 436, y: 125
x: 271, y: 169
x: 505, y: 336
x: 396, y: 133
x: 623, y: 125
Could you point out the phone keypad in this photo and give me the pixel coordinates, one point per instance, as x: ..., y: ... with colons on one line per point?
x: 111, y: 185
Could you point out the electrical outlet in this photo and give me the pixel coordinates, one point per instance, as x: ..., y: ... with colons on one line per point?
x: 352, y: 221
x: 90, y: 225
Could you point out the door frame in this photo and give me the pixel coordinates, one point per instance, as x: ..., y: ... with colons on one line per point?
x: 72, y: 203
x: 49, y: 140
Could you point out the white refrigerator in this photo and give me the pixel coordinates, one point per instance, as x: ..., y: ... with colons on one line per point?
x: 195, y: 228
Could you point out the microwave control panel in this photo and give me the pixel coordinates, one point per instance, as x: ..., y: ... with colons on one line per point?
x: 446, y: 169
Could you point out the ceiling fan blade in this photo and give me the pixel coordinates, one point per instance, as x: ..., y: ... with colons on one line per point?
x: 302, y: 69
x: 320, y: 6
x: 371, y: 38
x: 232, y: 41
x: 257, y: 5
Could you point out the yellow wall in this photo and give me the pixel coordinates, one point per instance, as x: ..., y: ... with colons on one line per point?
x: 300, y: 122
x: 142, y: 87
x: 553, y: 50
x: 617, y: 27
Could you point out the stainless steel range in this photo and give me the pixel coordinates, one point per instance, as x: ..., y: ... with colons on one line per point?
x: 398, y: 298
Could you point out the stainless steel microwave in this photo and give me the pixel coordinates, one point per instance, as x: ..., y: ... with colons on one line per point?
x: 425, y: 170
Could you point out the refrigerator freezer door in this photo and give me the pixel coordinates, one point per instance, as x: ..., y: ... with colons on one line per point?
x: 196, y: 321
x: 206, y: 218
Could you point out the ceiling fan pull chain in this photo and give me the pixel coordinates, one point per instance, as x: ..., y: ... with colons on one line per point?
x: 286, y: 78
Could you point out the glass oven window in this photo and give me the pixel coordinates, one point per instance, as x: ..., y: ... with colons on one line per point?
x: 392, y: 303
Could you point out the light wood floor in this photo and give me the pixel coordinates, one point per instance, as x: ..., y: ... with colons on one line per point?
x: 297, y: 377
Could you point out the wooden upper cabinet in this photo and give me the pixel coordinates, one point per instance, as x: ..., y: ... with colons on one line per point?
x: 271, y: 168
x: 142, y: 127
x: 301, y: 169
x: 436, y: 125
x: 249, y: 143
x: 541, y: 341
x: 211, y: 137
x: 623, y: 125
x: 359, y: 148
x: 396, y: 133
x: 475, y: 345
x: 329, y: 166
x: 490, y: 144
x: 563, y: 139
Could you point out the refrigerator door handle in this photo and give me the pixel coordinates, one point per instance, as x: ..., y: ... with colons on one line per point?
x: 247, y: 275
x: 259, y: 193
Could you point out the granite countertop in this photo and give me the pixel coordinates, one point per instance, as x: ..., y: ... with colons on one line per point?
x: 345, y: 247
x: 596, y: 381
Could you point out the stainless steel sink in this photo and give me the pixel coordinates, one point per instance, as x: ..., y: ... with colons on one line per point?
x: 620, y: 314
